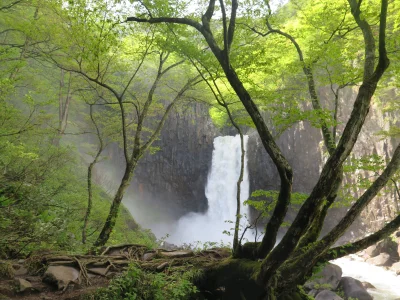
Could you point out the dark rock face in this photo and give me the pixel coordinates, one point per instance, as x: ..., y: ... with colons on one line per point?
x: 354, y: 288
x: 178, y: 171
x: 300, y: 145
x: 171, y: 182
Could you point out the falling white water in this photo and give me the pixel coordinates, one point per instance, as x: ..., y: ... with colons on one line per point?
x: 386, y: 282
x: 220, y: 191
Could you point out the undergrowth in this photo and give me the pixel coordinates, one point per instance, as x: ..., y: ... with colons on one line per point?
x: 136, y: 284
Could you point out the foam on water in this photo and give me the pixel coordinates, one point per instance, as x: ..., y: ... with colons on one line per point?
x: 387, y: 283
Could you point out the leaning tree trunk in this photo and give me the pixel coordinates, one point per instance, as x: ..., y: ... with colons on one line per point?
x: 89, y: 175
x: 114, y: 210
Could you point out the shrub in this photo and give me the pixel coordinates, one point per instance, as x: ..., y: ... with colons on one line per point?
x: 136, y: 284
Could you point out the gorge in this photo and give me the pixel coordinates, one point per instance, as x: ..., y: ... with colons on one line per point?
x: 119, y: 146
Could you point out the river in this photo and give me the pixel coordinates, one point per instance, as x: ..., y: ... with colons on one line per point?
x: 387, y: 283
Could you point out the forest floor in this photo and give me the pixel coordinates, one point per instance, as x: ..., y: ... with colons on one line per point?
x: 62, y: 276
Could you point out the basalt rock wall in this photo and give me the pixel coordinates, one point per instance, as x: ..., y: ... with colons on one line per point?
x: 171, y: 182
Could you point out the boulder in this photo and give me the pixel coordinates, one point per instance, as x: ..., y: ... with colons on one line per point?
x: 328, y: 278
x: 368, y: 285
x: 388, y: 246
x: 327, y: 295
x: 353, y: 288
x: 398, y: 249
x: 372, y: 251
x: 382, y: 259
x: 20, y: 270
x: 60, y: 276
x: 396, y: 268
x: 22, y: 285
x: 384, y: 246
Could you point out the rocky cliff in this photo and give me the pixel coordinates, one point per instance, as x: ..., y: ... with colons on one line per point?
x: 171, y: 182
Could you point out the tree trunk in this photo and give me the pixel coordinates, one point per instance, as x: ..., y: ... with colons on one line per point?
x: 89, y: 175
x: 89, y: 206
x: 114, y: 210
x: 284, y: 169
x: 238, y: 190
x: 63, y: 109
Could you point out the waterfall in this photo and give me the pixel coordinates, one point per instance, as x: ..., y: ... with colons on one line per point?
x: 221, y: 195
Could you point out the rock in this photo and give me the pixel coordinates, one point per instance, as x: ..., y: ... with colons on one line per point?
x: 354, y: 288
x: 397, y: 234
x: 22, y: 285
x: 313, y: 293
x: 367, y: 285
x: 372, y: 251
x: 20, y: 270
x: 382, y: 259
x: 396, y: 268
x: 328, y: 278
x: 148, y: 256
x: 177, y: 254
x: 60, y: 276
x: 388, y: 246
x: 398, y: 249
x: 385, y: 246
x: 327, y: 295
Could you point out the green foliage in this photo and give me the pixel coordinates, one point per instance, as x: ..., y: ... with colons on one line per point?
x: 43, y: 196
x: 264, y: 201
x: 138, y: 284
x: 372, y: 163
x: 6, y: 270
x: 393, y: 131
x: 42, y: 200
x: 363, y: 170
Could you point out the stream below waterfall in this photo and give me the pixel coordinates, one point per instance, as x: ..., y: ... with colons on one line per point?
x: 387, y: 283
